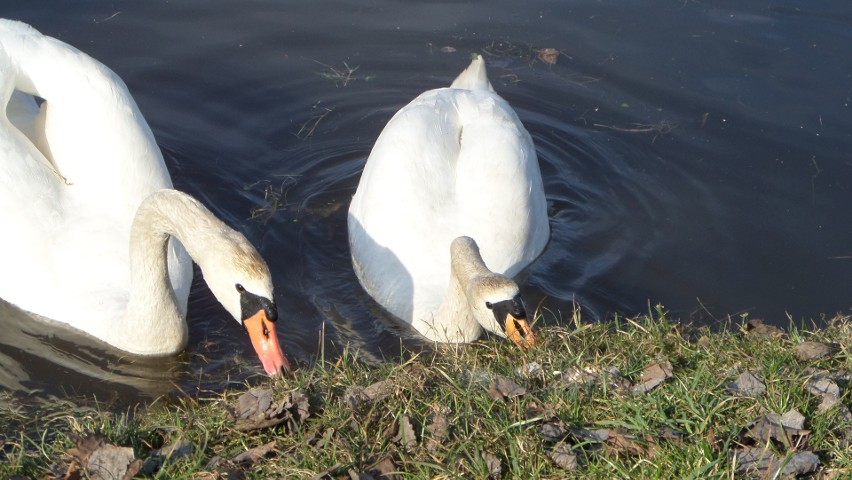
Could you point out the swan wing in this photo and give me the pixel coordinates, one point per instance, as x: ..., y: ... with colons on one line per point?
x: 74, y: 171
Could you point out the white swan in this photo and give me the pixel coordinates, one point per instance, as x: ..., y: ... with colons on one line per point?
x: 82, y: 181
x: 452, y: 175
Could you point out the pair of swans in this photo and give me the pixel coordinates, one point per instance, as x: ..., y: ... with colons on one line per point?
x: 450, y: 206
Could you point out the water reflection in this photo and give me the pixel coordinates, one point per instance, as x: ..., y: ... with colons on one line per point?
x: 43, y: 357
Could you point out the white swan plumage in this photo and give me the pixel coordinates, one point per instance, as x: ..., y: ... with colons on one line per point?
x: 450, y: 206
x: 88, y: 211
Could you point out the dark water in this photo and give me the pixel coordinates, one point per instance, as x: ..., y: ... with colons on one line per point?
x: 695, y: 156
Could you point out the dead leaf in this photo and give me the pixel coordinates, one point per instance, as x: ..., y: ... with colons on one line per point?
x: 814, y: 350
x: 554, y: 431
x: 610, y: 377
x: 158, y: 458
x: 405, y: 436
x: 84, y: 446
x: 223, y: 475
x: 625, y: 442
x: 438, y: 428
x: 548, y: 55
x: 617, y: 440
x: 253, y: 403
x: 328, y: 472
x: 505, y: 388
x: 826, y: 388
x: 379, y: 390
x: 800, y: 463
x: 358, y: 396
x: 757, y: 328
x: 823, y: 386
x: 110, y: 462
x: 224, y: 470
x: 94, y: 458
x: 384, y: 469
x: 253, y: 455
x: 756, y: 461
x: 528, y: 369
x: 670, y: 433
x: 586, y: 435
x: 654, y: 375
x: 319, y: 438
x: 495, y: 470
x: 793, y: 419
x: 772, y: 427
x: 564, y: 457
x: 258, y: 409
x: 759, y: 462
x: 747, y: 385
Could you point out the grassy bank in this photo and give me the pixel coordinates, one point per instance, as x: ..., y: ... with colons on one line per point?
x: 628, y: 398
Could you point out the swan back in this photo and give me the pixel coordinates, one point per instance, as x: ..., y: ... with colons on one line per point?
x: 92, y: 127
x: 75, y: 169
x: 454, y: 162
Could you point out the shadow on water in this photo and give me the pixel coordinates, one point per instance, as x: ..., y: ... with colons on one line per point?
x: 48, y: 359
x: 44, y: 358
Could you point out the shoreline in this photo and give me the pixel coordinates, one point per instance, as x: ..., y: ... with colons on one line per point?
x: 644, y: 397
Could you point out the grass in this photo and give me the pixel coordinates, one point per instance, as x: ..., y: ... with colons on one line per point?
x: 440, y: 415
x: 341, y: 76
x: 274, y: 198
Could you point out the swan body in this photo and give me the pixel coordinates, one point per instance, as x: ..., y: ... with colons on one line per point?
x: 88, y: 216
x: 449, y: 207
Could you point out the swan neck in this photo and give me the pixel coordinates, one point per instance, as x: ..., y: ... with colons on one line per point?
x: 153, y: 305
x: 466, y: 268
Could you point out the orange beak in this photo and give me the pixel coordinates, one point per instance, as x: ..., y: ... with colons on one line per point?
x: 519, y: 331
x: 265, y: 342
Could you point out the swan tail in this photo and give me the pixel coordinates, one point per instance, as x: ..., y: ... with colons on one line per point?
x: 474, y: 77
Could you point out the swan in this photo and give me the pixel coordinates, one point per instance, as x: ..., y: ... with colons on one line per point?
x: 450, y: 206
x: 89, y: 217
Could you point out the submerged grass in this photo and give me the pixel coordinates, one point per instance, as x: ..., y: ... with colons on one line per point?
x: 564, y: 408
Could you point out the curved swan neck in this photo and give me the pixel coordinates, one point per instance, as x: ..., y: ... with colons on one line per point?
x: 465, y: 260
x: 152, y: 306
x: 466, y: 268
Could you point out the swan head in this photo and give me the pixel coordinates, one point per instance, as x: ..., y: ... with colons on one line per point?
x: 494, y: 299
x: 240, y: 279
x: 232, y: 268
x: 497, y: 306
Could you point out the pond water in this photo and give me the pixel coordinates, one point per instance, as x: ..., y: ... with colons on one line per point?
x: 694, y: 156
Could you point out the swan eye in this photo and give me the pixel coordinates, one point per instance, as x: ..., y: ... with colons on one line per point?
x: 489, y: 305
x: 240, y: 288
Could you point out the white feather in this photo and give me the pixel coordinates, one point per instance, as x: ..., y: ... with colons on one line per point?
x: 73, y: 174
x: 454, y: 162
